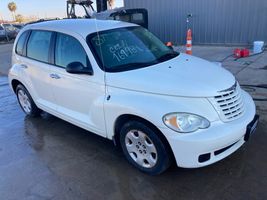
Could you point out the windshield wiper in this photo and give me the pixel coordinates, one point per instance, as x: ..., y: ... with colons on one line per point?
x: 168, y: 56
x: 137, y: 65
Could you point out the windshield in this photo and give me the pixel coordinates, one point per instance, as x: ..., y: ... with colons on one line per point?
x: 128, y: 48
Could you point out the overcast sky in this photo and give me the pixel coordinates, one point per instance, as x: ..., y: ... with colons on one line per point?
x: 39, y: 8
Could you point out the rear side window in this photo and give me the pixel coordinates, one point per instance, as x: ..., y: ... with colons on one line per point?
x: 20, y: 43
x: 68, y: 50
x: 138, y: 18
x: 38, y: 45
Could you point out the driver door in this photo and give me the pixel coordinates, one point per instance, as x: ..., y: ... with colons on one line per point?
x: 79, y: 97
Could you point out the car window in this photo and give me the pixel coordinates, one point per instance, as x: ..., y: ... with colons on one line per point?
x: 21, y: 42
x: 125, y: 18
x: 38, y: 45
x: 137, y: 18
x: 1, y: 28
x: 68, y: 50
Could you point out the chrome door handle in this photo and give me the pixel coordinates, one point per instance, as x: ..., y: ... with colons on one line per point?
x: 23, y: 66
x: 55, y: 76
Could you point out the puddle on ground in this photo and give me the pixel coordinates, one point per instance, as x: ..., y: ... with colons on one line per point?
x: 259, y: 92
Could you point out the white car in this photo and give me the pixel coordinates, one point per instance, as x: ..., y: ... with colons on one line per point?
x: 119, y: 81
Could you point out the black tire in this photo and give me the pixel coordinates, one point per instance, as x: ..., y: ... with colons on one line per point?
x: 34, y: 111
x: 163, y: 154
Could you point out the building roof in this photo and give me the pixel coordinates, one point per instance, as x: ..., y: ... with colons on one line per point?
x: 81, y: 26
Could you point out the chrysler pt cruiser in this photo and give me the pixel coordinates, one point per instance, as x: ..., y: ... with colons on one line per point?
x: 119, y: 81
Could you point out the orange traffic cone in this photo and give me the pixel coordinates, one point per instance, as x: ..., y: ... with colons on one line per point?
x: 189, y: 42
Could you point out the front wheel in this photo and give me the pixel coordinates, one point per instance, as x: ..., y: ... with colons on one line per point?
x: 26, y: 102
x: 143, y: 148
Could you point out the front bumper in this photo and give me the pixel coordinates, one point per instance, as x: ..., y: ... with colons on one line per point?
x: 208, y: 146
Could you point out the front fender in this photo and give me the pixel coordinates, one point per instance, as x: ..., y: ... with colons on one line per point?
x: 152, y: 107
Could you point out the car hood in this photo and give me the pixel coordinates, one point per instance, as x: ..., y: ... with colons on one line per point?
x: 184, y: 75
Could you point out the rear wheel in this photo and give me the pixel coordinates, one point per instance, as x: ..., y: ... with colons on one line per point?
x: 143, y: 148
x: 26, y: 102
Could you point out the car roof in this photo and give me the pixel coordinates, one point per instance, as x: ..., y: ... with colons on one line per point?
x: 84, y: 27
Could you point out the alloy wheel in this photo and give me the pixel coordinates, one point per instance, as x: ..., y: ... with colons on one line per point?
x: 24, y: 101
x: 141, y: 148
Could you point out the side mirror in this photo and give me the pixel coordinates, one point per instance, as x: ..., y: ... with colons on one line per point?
x: 171, y: 47
x: 78, y: 68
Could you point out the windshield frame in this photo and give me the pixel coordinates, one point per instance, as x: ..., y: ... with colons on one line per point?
x: 119, y: 68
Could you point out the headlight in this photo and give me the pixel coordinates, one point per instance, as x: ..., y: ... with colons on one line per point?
x: 185, y: 122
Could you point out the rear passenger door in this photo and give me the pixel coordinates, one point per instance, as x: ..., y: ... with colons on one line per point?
x: 34, y: 61
x: 79, y: 97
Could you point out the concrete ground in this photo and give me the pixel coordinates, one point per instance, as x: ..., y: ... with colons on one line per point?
x: 47, y: 158
x: 5, y: 58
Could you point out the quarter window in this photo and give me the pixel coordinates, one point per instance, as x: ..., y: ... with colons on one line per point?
x: 38, y: 45
x: 20, y: 43
x: 68, y: 50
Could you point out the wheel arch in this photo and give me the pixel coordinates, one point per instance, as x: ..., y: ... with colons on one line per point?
x: 15, y: 83
x: 122, y: 119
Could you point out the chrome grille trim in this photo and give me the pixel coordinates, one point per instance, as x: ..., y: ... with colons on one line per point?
x: 229, y: 104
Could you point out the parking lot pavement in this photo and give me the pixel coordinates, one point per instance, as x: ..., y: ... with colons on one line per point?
x: 47, y: 158
x: 5, y: 57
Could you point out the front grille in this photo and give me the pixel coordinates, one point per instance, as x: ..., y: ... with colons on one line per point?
x: 229, y: 104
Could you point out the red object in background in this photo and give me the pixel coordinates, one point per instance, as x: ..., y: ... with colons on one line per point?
x: 244, y: 53
x: 240, y: 53
x: 237, y: 53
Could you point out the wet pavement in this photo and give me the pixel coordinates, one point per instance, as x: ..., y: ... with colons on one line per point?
x: 47, y: 158
x: 5, y: 57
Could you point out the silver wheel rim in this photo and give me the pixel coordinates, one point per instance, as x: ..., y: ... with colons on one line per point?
x: 24, y: 101
x: 141, y: 148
